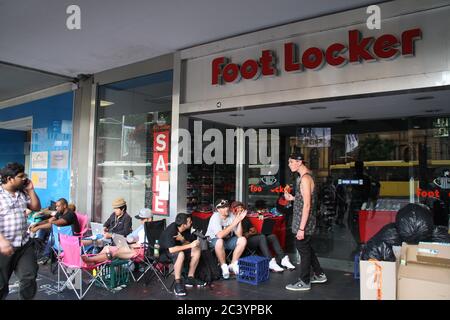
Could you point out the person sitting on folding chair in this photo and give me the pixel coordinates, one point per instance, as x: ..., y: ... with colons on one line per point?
x: 63, y: 217
x: 225, y: 232
x: 259, y: 241
x: 181, y: 247
x: 135, y: 251
x: 120, y: 221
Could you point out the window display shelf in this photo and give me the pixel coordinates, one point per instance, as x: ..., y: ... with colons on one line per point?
x: 124, y: 164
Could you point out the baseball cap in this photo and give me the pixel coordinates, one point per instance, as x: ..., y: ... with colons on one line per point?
x: 144, y: 213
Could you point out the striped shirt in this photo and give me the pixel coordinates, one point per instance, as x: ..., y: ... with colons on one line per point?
x: 13, y: 219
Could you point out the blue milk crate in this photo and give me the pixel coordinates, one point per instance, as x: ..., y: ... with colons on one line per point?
x: 253, y: 269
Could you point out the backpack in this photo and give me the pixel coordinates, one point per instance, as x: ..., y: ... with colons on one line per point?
x: 208, y: 268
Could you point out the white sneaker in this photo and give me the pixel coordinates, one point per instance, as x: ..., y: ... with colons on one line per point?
x: 285, y: 262
x: 225, y: 272
x: 234, y: 267
x: 273, y: 265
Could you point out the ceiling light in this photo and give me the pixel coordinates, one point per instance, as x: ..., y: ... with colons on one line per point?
x: 104, y: 103
x: 424, y: 98
x: 317, y: 108
x: 416, y: 127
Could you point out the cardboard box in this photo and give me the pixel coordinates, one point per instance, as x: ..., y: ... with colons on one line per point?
x: 434, y: 253
x: 378, y: 279
x: 422, y: 280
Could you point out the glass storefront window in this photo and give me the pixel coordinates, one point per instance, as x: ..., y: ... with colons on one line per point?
x: 129, y: 115
x: 375, y: 165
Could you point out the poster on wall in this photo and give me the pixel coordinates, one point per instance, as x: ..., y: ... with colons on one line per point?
x: 39, y: 179
x: 59, y: 159
x: 351, y: 142
x: 39, y: 160
x: 160, y: 166
x: 314, y: 137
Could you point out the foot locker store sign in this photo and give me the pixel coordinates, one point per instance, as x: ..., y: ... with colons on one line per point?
x: 321, y: 58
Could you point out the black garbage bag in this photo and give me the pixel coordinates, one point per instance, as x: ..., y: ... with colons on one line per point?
x: 440, y: 234
x: 378, y: 250
x: 388, y: 234
x: 414, y: 223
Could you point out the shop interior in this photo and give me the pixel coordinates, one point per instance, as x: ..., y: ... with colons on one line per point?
x: 401, y: 138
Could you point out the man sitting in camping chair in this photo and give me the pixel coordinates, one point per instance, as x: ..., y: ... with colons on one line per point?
x: 64, y: 217
x: 180, y: 247
x: 134, y: 251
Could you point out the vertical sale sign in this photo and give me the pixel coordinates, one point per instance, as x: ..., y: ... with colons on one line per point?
x: 160, y: 165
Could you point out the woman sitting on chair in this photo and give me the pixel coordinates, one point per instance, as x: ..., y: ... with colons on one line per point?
x: 135, y: 251
x: 259, y: 241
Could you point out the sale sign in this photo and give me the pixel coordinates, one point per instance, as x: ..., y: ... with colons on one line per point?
x: 160, y: 166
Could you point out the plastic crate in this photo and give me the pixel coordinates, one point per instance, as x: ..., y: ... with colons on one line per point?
x: 253, y: 270
x: 114, y: 274
x: 356, y: 267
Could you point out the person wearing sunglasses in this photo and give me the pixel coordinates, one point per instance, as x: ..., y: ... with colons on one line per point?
x: 225, y: 231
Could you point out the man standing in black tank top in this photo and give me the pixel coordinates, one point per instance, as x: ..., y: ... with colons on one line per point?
x: 303, y: 225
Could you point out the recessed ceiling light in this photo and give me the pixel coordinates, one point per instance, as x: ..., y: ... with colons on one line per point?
x: 416, y: 127
x: 424, y: 98
x: 433, y: 110
x: 317, y: 108
x: 236, y: 114
x: 343, y: 117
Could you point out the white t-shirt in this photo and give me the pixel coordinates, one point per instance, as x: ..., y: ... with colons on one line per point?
x: 217, y: 224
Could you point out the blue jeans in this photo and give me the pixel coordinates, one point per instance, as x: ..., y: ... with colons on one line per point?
x: 229, y: 244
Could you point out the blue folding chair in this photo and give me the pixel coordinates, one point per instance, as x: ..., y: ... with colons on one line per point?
x: 54, y: 241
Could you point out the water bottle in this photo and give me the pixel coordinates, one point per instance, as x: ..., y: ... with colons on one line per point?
x: 156, y: 249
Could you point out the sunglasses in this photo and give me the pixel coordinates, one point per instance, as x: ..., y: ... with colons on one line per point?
x: 222, y: 203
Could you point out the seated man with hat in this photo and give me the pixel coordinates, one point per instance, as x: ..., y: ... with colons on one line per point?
x: 135, y: 251
x: 225, y: 231
x: 119, y: 222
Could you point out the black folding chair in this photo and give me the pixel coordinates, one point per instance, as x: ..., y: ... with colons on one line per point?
x: 161, y: 265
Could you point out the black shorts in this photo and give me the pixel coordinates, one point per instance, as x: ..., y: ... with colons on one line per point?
x: 174, y: 256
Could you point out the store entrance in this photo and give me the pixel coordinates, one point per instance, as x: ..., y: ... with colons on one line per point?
x: 369, y: 156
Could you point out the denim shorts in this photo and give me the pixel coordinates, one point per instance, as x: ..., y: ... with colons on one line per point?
x: 229, y: 243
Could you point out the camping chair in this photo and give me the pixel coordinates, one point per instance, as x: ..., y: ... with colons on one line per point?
x: 160, y: 266
x: 83, y: 223
x: 54, y: 242
x: 73, y: 267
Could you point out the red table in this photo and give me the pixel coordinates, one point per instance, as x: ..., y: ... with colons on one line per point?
x: 279, y: 229
x: 370, y: 222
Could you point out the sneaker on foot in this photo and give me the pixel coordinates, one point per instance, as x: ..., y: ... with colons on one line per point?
x: 287, y: 263
x: 179, y: 289
x: 234, y: 267
x: 225, y: 272
x: 299, y: 286
x: 321, y: 278
x: 193, y: 282
x: 273, y: 266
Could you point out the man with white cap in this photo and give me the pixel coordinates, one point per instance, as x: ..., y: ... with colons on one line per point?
x: 138, y: 235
